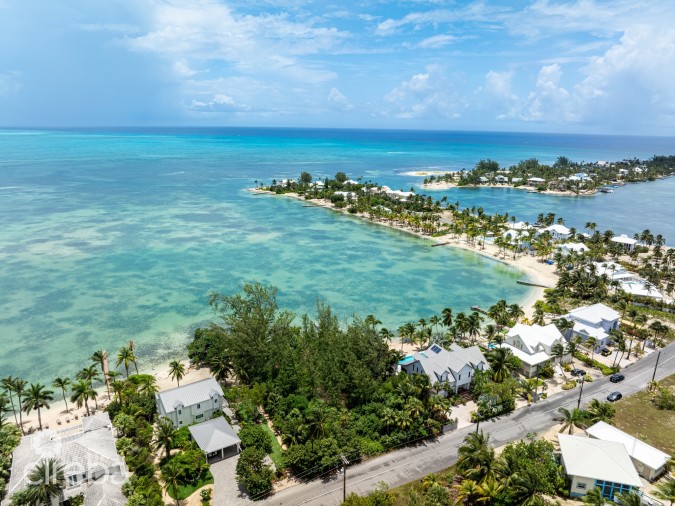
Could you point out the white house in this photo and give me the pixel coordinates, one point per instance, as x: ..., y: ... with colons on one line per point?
x: 594, y: 321
x: 532, y: 345
x: 614, y: 271
x: 593, y: 463
x: 455, y: 366
x: 89, y: 457
x: 558, y: 232
x: 501, y: 178
x: 649, y: 462
x: 641, y: 288
x: 572, y: 247
x: 627, y: 242
x: 192, y: 403
x: 515, y: 180
x: 534, y: 181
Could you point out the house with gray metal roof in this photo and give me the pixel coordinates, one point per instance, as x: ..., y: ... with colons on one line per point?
x: 88, y: 454
x: 215, y: 438
x: 455, y: 366
x: 192, y: 403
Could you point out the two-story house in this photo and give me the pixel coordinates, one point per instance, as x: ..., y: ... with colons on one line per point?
x: 533, y: 344
x: 593, y: 321
x: 455, y: 366
x: 193, y: 403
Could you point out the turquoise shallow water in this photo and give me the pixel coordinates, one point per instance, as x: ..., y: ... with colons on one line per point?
x: 109, y: 235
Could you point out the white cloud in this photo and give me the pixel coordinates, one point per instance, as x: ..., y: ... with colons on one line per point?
x: 437, y: 41
x: 219, y: 103
x: 425, y: 95
x: 337, y: 99
x: 121, y: 28
x: 9, y: 82
x: 182, y: 69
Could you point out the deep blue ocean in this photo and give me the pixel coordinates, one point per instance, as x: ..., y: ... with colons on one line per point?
x: 113, y: 234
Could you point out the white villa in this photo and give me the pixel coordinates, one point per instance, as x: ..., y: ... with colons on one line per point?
x: 593, y: 463
x: 572, y: 247
x: 627, y: 242
x: 558, y: 232
x: 215, y: 438
x: 534, y: 181
x: 594, y: 321
x: 649, y: 462
x: 628, y: 281
x: 532, y: 345
x: 92, y: 465
x: 614, y: 271
x: 455, y: 366
x: 193, y: 403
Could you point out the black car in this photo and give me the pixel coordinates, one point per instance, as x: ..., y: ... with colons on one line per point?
x: 615, y: 378
x: 605, y: 352
x: 614, y: 396
x: 578, y: 372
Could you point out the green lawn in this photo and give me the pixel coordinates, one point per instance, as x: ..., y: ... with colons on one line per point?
x: 637, y: 416
x: 403, y: 493
x: 185, y: 491
x: 276, y: 454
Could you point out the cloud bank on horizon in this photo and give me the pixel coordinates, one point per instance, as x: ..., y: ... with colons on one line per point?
x: 589, y: 66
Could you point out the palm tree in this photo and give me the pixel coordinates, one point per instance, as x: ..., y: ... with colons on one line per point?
x: 501, y: 363
x: 558, y: 351
x: 515, y: 312
x: 446, y: 315
x: 8, y: 386
x: 173, y: 475
x: 176, y: 370
x: 19, y: 389
x: 99, y: 357
x: 220, y: 367
x: 46, y: 481
x: 524, y: 488
x: 62, y: 383
x: 570, y: 419
x: 90, y: 374
x: 435, y: 321
x: 666, y: 491
x: 591, y: 343
x: 126, y: 356
x: 164, y: 435
x: 4, y: 400
x: 82, y: 391
x: 594, y: 497
x: 467, y: 492
x: 490, y: 490
x: 629, y: 499
x: 476, y: 457
x: 601, y: 411
x: 36, y: 399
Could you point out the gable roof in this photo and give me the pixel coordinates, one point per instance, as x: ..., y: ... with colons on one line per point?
x: 595, y: 314
x: 190, y: 394
x: 534, y: 335
x: 214, y: 435
x: 623, y: 239
x: 597, y: 459
x: 557, y: 228
x: 636, y: 448
x: 103, y: 493
x: 436, y: 360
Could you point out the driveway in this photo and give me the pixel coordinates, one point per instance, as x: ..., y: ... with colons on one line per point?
x: 226, y: 491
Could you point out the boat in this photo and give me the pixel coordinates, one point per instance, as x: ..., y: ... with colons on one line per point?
x: 606, y: 190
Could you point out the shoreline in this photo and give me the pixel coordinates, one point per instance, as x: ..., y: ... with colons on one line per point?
x: 534, y: 270
x: 443, y: 185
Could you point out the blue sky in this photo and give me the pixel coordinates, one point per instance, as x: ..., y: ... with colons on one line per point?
x: 588, y: 66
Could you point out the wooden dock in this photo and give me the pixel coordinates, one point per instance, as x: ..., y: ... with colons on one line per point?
x: 531, y: 283
x: 440, y: 244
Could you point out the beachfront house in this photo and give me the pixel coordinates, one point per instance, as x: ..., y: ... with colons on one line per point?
x: 614, y: 271
x: 455, y: 366
x: 192, y: 403
x: 627, y: 242
x: 558, y: 232
x: 592, y: 463
x: 216, y: 439
x: 483, y: 180
x: 572, y: 247
x: 593, y: 321
x: 501, y: 179
x: 91, y: 463
x: 649, y: 462
x: 532, y: 345
x: 535, y: 181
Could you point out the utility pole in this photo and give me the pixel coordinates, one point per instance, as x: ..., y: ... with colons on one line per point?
x: 345, y: 463
x: 581, y: 391
x: 656, y: 365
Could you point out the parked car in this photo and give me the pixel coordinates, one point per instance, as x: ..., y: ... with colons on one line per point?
x: 614, y: 396
x: 615, y: 378
x: 605, y: 352
x: 578, y: 372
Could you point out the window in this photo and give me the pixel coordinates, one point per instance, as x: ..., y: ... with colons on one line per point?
x: 180, y: 423
x: 582, y: 486
x: 199, y: 406
x: 215, y: 401
x: 199, y: 416
x: 180, y: 412
x: 460, y: 376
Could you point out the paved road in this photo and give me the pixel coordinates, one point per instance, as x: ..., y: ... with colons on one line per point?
x: 408, y: 464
